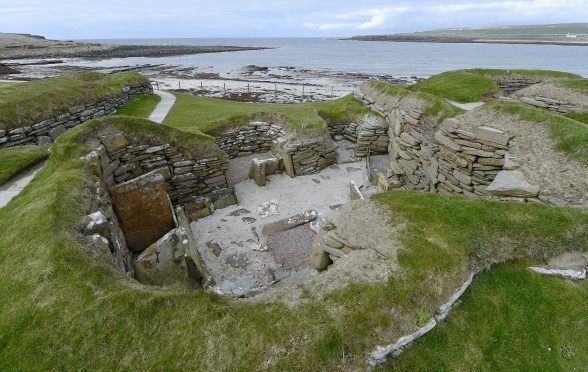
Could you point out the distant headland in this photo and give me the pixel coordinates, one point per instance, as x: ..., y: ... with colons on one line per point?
x: 573, y: 34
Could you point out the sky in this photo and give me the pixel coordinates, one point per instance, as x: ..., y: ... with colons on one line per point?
x: 90, y: 19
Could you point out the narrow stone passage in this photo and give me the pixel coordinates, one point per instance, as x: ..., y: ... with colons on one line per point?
x: 163, y: 107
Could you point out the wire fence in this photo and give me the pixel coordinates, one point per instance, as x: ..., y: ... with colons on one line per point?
x: 265, y: 92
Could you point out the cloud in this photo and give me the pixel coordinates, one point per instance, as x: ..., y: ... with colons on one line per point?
x: 382, y: 18
x: 361, y: 20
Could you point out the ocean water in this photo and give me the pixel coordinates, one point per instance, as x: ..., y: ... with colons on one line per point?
x: 401, y: 59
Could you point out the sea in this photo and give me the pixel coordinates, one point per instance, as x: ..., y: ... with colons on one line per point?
x: 373, y: 57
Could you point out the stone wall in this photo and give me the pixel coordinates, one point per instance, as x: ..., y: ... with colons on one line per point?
x: 445, y: 158
x: 254, y: 137
x: 187, y: 178
x: 510, y: 83
x: 551, y: 104
x: 304, y: 157
x: 47, y: 131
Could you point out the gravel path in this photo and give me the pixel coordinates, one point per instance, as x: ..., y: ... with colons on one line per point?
x: 163, y: 107
x: 13, y: 187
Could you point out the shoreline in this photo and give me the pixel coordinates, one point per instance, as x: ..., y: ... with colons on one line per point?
x: 108, y: 51
x: 435, y: 40
x: 251, y: 83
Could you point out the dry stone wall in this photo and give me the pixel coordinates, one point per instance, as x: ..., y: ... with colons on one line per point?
x: 47, y: 131
x: 306, y: 157
x: 445, y: 158
x: 550, y: 104
x: 510, y: 83
x: 255, y: 137
x: 188, y: 179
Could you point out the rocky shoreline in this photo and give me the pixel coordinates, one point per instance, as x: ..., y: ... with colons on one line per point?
x: 103, y: 51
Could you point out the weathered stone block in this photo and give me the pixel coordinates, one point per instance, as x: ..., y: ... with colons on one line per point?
x: 199, y: 208
x: 114, y: 142
x: 446, y: 141
x: 512, y: 183
x: 56, y: 132
x: 143, y: 208
x: 493, y: 135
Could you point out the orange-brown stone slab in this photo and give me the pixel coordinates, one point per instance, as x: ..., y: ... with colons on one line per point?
x: 143, y: 208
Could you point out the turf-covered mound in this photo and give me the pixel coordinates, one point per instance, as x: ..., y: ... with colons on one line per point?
x: 31, y: 102
x: 64, y: 307
x: 480, y: 84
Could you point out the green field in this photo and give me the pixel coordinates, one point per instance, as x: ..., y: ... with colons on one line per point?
x: 15, y: 159
x: 210, y: 115
x: 509, y: 319
x: 39, y: 99
x: 140, y: 107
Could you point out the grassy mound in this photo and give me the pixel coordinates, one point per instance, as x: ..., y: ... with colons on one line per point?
x: 210, y: 115
x: 63, y: 309
x: 15, y: 159
x: 540, y: 73
x: 509, y: 319
x: 435, y: 107
x: 578, y: 116
x: 477, y: 84
x: 461, y: 86
x: 25, y: 103
x: 578, y: 85
x: 140, y: 107
x: 571, y: 136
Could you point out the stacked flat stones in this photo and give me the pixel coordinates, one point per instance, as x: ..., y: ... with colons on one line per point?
x: 307, y: 156
x: 46, y: 131
x: 372, y: 134
x: 328, y: 246
x: 255, y: 137
x: 187, y: 178
x: 449, y: 160
x: 510, y: 83
x: 550, y: 104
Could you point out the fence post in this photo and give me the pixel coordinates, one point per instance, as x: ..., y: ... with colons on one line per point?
x: 275, y: 93
x: 303, y: 93
x: 248, y: 93
x: 201, y: 88
x: 179, y: 84
x: 225, y: 90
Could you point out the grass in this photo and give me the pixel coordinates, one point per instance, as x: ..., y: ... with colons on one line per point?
x: 140, y: 107
x: 571, y: 136
x: 435, y: 107
x: 578, y: 85
x: 213, y: 116
x: 460, y: 85
x: 509, y: 319
x: 26, y: 103
x: 64, y: 308
x: 15, y: 159
x: 578, y: 116
x: 543, y: 73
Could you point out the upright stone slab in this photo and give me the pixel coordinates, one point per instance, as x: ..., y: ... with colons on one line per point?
x: 143, y: 208
x: 163, y: 263
x: 257, y: 172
